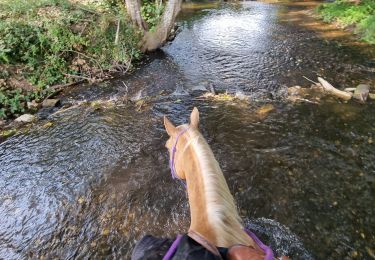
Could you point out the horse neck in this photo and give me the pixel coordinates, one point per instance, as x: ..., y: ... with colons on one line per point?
x: 212, y: 208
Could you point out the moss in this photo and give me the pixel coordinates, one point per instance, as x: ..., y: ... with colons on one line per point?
x: 7, y: 133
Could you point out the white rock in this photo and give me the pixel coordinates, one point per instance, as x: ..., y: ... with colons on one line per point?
x: 199, y: 88
x: 50, y: 102
x: 32, y: 105
x: 26, y: 118
x: 361, y: 92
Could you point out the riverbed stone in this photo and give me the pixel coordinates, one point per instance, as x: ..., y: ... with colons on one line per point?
x: 33, y: 105
x: 50, y: 102
x: 26, y: 118
x: 199, y: 88
x: 361, y: 92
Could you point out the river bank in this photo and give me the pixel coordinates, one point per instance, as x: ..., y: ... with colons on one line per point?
x: 47, y: 45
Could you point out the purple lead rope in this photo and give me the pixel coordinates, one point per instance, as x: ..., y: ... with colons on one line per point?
x: 173, y: 248
x: 267, y: 250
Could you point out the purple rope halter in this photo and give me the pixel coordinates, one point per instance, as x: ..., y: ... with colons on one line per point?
x: 172, y: 159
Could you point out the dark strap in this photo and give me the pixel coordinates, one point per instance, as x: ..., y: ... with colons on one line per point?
x: 204, y: 242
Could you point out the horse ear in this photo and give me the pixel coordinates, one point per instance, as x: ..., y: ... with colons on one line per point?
x: 194, y: 118
x: 171, y: 129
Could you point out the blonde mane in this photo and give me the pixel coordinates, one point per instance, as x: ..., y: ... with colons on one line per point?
x: 221, y: 208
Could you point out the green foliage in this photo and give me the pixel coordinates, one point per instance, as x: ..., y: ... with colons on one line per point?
x: 367, y: 26
x: 48, y: 47
x: 347, y: 13
x: 50, y: 39
x: 13, y: 101
x: 151, y: 13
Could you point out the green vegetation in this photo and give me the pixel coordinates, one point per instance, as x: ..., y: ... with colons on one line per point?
x: 151, y: 12
x: 361, y: 15
x: 47, y: 42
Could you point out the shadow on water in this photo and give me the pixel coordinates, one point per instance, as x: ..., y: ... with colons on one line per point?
x: 302, y: 174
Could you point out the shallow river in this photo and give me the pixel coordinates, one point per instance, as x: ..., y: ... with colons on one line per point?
x: 303, y: 174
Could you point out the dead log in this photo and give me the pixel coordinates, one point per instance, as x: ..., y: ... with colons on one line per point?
x: 334, y: 91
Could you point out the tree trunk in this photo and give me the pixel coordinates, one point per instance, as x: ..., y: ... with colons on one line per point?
x: 134, y: 10
x: 155, y: 39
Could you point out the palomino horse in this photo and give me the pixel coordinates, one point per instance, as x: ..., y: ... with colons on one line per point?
x: 215, y: 231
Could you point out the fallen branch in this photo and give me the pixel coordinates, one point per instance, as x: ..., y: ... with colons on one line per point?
x: 61, y: 86
x: 316, y: 83
x: 77, y: 76
x: 334, y: 91
x: 117, y: 32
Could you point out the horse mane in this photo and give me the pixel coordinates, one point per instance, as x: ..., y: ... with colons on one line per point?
x: 221, y: 209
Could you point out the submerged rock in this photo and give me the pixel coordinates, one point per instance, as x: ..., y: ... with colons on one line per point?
x: 263, y: 110
x: 199, y: 88
x: 312, y: 94
x: 241, y: 96
x: 26, y: 118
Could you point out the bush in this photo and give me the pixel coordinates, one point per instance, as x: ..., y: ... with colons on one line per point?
x: 151, y: 13
x: 346, y: 13
x: 367, y: 27
x: 54, y: 40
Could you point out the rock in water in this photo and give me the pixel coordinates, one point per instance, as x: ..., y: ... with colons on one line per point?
x: 361, y: 92
x: 241, y: 96
x: 212, y: 89
x: 33, y: 105
x: 50, y: 102
x: 26, y: 118
x: 199, y: 88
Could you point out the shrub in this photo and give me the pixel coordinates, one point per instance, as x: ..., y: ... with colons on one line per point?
x: 346, y: 13
x: 55, y: 40
x: 151, y: 13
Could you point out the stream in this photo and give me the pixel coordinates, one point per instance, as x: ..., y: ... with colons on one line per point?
x: 96, y: 179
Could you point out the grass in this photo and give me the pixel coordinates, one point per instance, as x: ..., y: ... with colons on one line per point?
x: 361, y: 16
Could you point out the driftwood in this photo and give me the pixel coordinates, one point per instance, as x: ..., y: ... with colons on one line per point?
x: 334, y: 91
